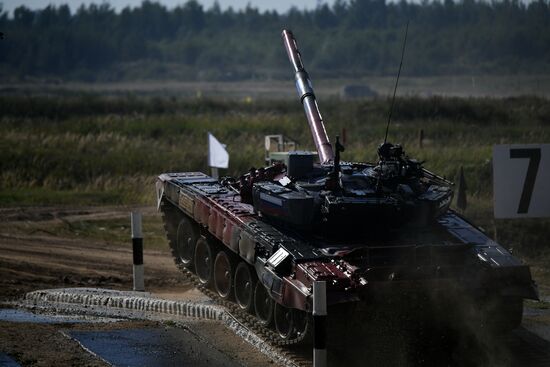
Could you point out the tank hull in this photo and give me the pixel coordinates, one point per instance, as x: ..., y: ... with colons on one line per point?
x: 453, y: 258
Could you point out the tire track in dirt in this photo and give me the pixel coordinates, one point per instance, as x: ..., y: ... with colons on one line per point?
x: 29, y: 262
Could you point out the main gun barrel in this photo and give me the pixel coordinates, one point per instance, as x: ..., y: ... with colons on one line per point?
x: 307, y: 97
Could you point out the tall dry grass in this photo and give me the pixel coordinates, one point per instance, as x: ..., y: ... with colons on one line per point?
x: 93, y: 150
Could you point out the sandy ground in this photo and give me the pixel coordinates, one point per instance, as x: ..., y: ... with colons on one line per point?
x: 40, y: 260
x: 29, y: 262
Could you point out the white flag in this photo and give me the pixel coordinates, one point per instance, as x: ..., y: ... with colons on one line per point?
x: 217, y: 155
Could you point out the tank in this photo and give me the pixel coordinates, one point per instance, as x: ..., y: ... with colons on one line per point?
x: 372, y: 231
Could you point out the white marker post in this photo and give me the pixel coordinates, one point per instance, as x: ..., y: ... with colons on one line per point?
x: 319, y: 324
x: 137, y: 248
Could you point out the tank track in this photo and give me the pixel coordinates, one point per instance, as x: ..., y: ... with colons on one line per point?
x: 241, y: 316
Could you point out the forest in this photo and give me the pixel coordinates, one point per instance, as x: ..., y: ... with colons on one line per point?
x: 348, y: 38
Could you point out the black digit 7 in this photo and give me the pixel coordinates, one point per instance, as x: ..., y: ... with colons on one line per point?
x: 532, y: 169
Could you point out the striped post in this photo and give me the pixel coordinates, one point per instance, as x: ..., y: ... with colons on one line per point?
x: 137, y: 248
x: 319, y: 324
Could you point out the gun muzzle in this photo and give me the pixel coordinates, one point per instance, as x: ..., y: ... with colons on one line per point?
x: 307, y: 97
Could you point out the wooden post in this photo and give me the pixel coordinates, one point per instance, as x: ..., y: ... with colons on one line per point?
x: 137, y: 249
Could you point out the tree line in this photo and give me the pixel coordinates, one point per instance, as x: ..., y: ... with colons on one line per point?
x: 349, y: 37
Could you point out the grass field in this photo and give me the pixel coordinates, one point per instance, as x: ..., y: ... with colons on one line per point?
x: 88, y: 150
x: 282, y: 87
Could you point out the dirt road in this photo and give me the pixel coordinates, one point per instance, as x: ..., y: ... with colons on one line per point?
x: 38, y: 259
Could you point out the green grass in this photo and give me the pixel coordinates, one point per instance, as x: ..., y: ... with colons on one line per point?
x: 539, y: 305
x: 89, y: 150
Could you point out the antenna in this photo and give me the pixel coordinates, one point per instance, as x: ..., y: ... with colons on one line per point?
x: 396, y: 82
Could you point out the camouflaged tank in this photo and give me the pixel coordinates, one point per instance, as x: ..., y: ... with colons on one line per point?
x: 259, y: 241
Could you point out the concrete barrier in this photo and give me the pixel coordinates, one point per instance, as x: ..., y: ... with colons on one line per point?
x: 131, y: 301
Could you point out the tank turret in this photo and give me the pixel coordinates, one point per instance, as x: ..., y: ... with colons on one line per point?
x: 337, y: 195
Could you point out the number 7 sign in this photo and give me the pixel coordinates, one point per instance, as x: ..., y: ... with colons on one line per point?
x: 521, y: 180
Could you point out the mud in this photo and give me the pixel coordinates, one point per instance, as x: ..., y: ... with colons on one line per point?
x: 129, y: 343
x: 23, y: 316
x: 40, y: 260
x: 151, y: 347
x: 104, y: 303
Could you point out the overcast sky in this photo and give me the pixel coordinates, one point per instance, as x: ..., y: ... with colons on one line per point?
x: 279, y: 5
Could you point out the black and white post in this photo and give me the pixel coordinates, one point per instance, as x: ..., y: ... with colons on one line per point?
x: 319, y: 324
x: 137, y: 247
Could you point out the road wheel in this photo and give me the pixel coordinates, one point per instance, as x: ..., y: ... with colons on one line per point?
x: 301, y: 322
x: 263, y: 305
x: 204, y: 261
x: 244, y: 283
x: 284, y: 321
x: 223, y: 275
x: 186, y: 238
